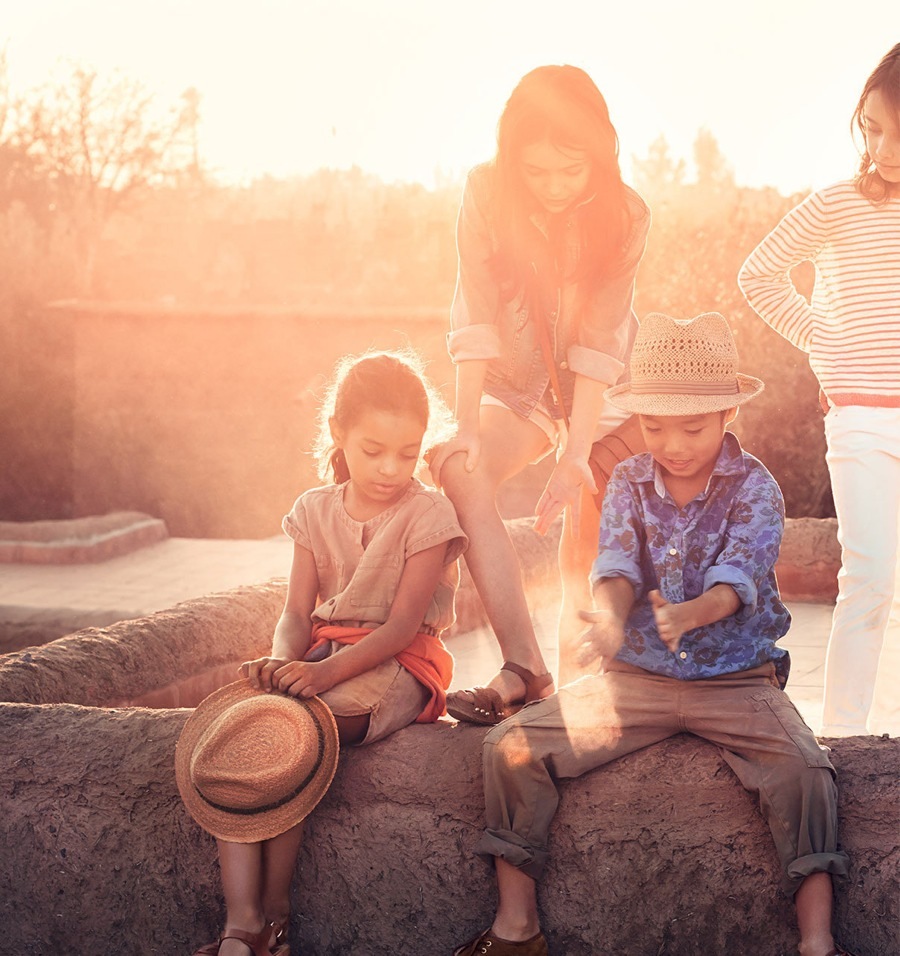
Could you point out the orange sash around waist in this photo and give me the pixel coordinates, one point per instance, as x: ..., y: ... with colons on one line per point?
x: 425, y: 657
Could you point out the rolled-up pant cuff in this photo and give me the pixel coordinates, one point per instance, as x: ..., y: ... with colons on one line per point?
x: 511, y: 848
x: 834, y: 863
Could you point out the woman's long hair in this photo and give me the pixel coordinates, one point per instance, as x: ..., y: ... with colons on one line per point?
x: 560, y: 104
x: 886, y: 79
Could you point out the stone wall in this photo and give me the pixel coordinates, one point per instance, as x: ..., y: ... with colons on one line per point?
x: 659, y: 853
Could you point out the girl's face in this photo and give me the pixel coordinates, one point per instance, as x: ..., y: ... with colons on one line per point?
x: 557, y: 177
x: 381, y: 449
x: 883, y: 138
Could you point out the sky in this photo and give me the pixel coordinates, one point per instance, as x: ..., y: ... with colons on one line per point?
x: 412, y: 89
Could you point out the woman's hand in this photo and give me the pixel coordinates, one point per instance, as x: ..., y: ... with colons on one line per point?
x: 260, y: 672
x: 563, y: 490
x: 464, y: 442
x: 306, y: 678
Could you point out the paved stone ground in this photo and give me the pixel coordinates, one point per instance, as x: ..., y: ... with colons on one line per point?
x: 156, y: 577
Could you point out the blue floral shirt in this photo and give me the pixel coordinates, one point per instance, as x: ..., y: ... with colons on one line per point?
x: 729, y: 534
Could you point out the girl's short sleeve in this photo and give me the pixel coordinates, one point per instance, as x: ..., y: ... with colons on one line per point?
x: 295, y: 524
x: 435, y: 525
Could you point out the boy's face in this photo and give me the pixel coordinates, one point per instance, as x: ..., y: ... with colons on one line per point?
x: 685, y: 446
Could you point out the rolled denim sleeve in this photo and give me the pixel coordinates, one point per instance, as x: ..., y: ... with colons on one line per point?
x: 752, y: 540
x: 621, y: 536
x: 476, y: 301
x: 604, y: 339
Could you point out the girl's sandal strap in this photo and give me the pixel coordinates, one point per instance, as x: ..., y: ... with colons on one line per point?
x: 257, y: 943
x: 534, y: 683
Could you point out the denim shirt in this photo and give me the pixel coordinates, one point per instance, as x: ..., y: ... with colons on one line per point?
x: 484, y: 326
x: 729, y: 534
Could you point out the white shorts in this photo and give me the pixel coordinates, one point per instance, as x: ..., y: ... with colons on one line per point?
x: 555, y: 428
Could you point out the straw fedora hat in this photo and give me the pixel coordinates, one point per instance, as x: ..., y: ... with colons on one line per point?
x: 683, y: 367
x: 250, y: 764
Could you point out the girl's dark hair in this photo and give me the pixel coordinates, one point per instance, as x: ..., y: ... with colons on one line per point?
x: 563, y: 105
x: 384, y: 381
x: 886, y: 79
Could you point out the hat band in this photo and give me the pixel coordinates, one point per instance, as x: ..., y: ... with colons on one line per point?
x: 250, y: 811
x: 665, y: 387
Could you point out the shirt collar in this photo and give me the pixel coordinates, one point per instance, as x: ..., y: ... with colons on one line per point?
x: 730, y: 461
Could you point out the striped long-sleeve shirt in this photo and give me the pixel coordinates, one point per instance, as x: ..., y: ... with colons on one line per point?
x: 851, y: 328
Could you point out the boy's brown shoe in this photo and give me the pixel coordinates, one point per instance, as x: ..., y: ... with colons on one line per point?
x: 486, y: 944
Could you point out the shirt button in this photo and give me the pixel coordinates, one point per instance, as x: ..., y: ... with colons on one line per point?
x: 563, y: 364
x: 673, y: 551
x: 683, y: 655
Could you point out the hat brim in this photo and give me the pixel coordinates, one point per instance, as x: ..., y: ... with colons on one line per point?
x: 679, y: 403
x: 268, y: 823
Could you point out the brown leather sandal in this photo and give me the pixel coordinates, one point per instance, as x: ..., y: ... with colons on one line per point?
x: 264, y: 943
x: 483, y: 705
x: 486, y: 942
x: 278, y: 944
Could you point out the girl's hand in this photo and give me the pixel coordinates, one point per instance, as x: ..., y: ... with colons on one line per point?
x: 563, y: 490
x: 670, y: 620
x: 305, y: 678
x: 603, y: 638
x: 260, y: 672
x: 466, y: 442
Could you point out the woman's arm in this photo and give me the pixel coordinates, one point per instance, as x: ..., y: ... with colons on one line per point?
x: 418, y: 582
x: 597, y: 357
x: 563, y: 489
x: 469, y: 386
x: 293, y: 631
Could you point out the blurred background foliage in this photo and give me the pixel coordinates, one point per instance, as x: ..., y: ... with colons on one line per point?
x: 104, y: 195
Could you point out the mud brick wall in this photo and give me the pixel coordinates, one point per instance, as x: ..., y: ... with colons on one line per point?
x: 661, y: 852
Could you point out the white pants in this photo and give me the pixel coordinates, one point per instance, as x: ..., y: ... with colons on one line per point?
x: 862, y: 666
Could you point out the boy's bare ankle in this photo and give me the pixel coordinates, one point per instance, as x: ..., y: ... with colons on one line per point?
x: 514, y: 928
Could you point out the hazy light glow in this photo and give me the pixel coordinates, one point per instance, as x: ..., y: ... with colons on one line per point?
x: 404, y: 88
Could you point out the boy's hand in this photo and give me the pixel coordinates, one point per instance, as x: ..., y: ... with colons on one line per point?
x: 602, y: 639
x: 671, y: 620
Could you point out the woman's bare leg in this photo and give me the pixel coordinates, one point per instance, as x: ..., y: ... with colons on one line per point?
x: 508, y: 444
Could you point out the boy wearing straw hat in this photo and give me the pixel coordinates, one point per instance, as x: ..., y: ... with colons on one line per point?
x: 686, y: 619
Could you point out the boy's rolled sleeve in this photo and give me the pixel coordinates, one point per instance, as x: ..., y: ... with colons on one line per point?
x: 621, y: 533
x: 741, y: 583
x: 752, y: 542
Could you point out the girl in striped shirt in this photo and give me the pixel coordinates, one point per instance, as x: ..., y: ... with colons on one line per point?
x: 851, y: 331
